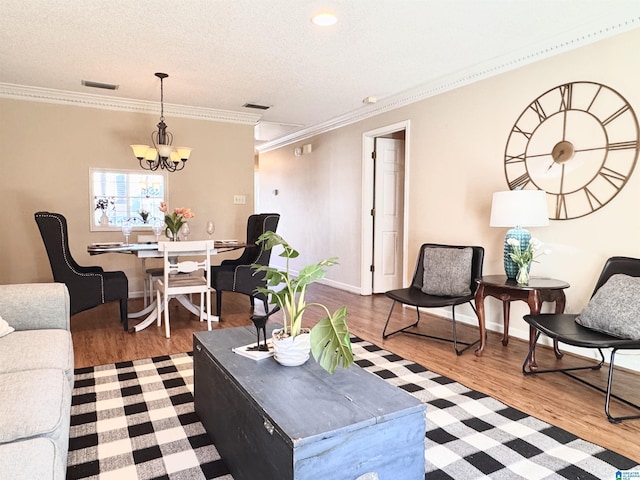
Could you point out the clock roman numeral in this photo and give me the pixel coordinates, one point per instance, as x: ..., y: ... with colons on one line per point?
x: 615, y: 115
x: 517, y: 129
x: 516, y: 159
x: 537, y: 107
x: 561, y: 207
x: 592, y: 199
x: 566, y: 94
x: 522, y: 181
x: 616, y: 179
x: 594, y: 98
x: 623, y: 145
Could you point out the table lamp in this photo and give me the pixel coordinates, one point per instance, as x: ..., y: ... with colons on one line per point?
x: 517, y: 209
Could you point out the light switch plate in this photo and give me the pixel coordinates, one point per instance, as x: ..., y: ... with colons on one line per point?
x: 239, y: 199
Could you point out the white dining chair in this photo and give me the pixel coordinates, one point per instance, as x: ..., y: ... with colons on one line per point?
x: 149, y: 275
x: 185, y: 277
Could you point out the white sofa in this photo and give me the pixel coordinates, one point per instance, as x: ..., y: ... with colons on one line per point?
x: 36, y: 381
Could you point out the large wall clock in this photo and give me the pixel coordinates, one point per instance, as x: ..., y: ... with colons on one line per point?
x: 579, y: 143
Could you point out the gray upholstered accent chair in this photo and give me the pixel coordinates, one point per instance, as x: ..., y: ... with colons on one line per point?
x: 611, y: 320
x: 445, y: 276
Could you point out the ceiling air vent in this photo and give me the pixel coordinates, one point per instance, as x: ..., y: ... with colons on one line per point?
x: 256, y: 106
x: 104, y: 86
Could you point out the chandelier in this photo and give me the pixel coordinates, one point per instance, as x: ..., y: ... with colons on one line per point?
x: 162, y: 154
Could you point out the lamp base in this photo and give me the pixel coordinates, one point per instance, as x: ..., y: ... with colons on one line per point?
x: 523, y: 236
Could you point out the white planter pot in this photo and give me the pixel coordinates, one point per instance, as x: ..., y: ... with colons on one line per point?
x: 289, y: 351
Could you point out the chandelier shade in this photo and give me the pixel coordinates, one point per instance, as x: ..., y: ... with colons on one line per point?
x: 162, y: 154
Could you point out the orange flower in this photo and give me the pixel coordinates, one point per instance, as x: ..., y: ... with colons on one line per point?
x: 175, y: 220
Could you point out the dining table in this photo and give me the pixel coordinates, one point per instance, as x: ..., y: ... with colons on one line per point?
x: 150, y: 250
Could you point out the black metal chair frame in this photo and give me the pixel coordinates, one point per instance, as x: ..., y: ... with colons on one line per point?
x: 414, y: 296
x: 564, y: 329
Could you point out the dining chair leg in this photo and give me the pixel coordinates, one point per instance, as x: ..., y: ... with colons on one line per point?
x: 144, y: 283
x: 158, y: 306
x: 209, y: 309
x: 166, y: 316
x: 150, y: 282
x: 124, y: 313
x: 202, y: 307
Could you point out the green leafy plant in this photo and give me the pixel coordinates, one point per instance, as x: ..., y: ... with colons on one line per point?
x: 330, y: 340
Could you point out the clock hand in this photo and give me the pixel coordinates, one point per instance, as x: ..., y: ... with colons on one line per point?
x: 558, y: 154
x: 590, y: 149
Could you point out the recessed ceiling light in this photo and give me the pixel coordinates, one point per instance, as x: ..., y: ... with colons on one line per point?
x: 324, y: 19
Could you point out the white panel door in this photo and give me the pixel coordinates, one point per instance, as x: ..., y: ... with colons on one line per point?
x: 389, y: 213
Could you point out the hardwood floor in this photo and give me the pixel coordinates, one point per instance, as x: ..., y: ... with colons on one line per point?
x: 554, y: 398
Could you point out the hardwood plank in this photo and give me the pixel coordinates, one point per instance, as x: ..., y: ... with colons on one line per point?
x: 554, y: 398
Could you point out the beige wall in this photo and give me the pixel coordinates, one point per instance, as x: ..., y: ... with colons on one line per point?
x: 49, y: 149
x: 456, y: 149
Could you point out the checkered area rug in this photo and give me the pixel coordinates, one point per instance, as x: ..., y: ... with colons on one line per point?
x: 136, y: 420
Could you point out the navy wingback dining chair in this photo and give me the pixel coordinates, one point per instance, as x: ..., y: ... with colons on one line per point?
x: 88, y: 286
x: 237, y: 275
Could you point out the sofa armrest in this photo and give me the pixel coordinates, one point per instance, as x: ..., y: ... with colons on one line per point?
x: 32, y: 306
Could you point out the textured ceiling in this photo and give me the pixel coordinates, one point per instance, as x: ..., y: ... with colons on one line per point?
x: 221, y: 54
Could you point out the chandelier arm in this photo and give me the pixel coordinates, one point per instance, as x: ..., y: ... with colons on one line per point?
x: 169, y: 166
x: 150, y: 165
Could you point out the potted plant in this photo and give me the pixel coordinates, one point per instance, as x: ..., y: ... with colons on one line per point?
x: 329, y: 339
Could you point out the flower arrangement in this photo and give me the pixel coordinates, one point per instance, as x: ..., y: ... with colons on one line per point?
x: 524, y: 258
x: 144, y: 214
x: 175, y: 220
x: 102, y: 203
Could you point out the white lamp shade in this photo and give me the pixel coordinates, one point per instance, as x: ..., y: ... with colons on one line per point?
x: 139, y: 150
x: 151, y: 154
x: 183, y: 152
x: 164, y: 150
x: 522, y: 208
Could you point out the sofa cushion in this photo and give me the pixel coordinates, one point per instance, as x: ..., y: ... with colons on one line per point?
x: 29, y: 459
x: 447, y: 271
x: 37, y: 403
x: 50, y: 349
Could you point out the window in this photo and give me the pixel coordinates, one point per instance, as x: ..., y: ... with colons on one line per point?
x: 118, y: 195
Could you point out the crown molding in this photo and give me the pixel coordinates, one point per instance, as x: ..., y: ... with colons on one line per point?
x: 571, y: 40
x: 48, y: 95
x: 567, y: 42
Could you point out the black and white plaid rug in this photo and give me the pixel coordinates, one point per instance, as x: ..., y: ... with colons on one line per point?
x: 136, y: 420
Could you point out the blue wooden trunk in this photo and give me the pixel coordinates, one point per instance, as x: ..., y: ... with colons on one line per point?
x: 280, y: 423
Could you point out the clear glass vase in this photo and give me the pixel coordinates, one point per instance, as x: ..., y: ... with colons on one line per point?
x: 523, y: 275
x: 171, y: 235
